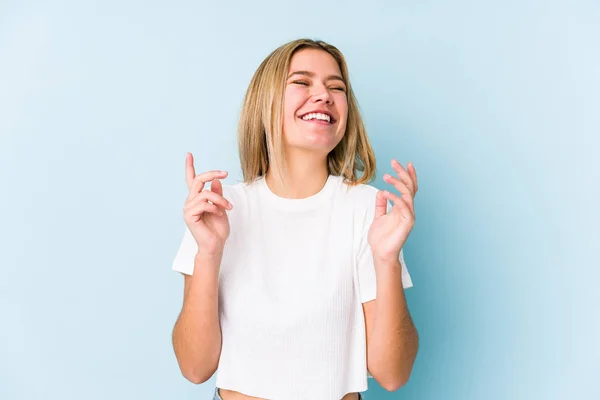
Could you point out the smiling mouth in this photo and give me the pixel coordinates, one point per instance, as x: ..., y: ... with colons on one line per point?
x: 318, y: 117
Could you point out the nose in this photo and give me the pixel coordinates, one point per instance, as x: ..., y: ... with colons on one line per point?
x: 322, y: 95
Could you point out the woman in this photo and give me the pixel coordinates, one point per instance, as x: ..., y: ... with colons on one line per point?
x: 294, y: 277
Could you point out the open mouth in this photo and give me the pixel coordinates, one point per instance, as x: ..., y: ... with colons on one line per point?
x: 320, y: 116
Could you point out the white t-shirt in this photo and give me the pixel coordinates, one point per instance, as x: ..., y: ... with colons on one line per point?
x: 293, y: 277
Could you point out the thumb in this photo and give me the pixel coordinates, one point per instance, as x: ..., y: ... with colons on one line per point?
x: 380, y: 204
x: 216, y: 187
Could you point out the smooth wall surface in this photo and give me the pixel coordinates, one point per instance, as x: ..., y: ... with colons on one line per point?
x: 496, y: 103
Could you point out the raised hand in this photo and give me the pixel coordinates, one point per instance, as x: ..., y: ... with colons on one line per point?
x: 389, y: 231
x: 204, y: 209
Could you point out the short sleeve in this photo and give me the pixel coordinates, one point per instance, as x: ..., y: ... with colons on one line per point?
x: 367, y: 283
x: 184, y: 259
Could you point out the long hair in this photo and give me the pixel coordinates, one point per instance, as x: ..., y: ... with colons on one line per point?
x: 260, y: 127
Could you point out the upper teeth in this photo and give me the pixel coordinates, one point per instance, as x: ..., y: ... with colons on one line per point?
x: 323, y: 117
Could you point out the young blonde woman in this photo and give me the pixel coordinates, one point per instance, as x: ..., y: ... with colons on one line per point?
x: 294, y: 277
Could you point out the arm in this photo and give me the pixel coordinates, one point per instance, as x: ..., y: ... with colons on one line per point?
x: 197, y: 333
x: 392, y: 339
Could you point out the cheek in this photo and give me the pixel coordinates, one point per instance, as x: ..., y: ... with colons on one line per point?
x: 343, y: 110
x: 290, y: 107
x: 296, y: 96
x: 293, y: 100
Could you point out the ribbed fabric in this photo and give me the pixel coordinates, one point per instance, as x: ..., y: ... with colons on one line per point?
x: 294, y: 275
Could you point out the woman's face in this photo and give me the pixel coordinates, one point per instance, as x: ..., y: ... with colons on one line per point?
x: 315, y: 104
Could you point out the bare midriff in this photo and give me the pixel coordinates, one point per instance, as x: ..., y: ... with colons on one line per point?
x: 233, y: 395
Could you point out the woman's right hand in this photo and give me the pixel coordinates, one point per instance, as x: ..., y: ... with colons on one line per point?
x: 207, y: 222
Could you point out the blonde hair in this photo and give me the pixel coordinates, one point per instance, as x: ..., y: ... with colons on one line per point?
x: 260, y: 127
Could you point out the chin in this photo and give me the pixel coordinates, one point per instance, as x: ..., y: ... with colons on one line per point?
x: 314, y: 142
x: 307, y: 148
x: 318, y: 146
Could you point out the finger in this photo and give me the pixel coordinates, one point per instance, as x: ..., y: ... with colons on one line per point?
x: 216, y: 187
x: 196, y: 210
x: 190, y: 172
x: 413, y: 174
x: 215, y: 198
x: 404, y: 202
x: 380, y: 204
x: 403, y: 175
x: 201, y: 198
x: 399, y: 185
x: 201, y: 179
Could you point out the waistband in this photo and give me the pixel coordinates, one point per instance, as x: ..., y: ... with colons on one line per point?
x: 217, y: 397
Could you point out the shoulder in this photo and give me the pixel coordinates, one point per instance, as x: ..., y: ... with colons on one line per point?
x: 239, y: 191
x: 360, y: 199
x: 361, y: 195
x: 239, y: 194
x: 234, y: 191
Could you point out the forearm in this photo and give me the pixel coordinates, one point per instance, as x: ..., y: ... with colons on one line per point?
x: 393, y: 347
x: 197, y: 333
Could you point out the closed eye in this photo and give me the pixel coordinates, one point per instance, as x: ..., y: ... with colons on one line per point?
x: 305, y: 83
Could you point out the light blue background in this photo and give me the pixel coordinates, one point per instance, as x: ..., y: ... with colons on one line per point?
x: 496, y: 103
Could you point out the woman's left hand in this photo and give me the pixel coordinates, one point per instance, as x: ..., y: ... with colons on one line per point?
x: 389, y: 232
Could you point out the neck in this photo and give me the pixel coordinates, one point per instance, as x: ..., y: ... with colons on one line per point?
x: 301, y: 178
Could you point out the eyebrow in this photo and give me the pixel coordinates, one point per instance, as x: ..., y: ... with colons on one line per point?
x: 312, y: 75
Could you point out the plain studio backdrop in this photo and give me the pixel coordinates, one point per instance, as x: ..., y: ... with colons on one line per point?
x: 496, y: 103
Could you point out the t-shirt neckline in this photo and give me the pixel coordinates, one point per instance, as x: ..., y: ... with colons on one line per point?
x: 297, y: 204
